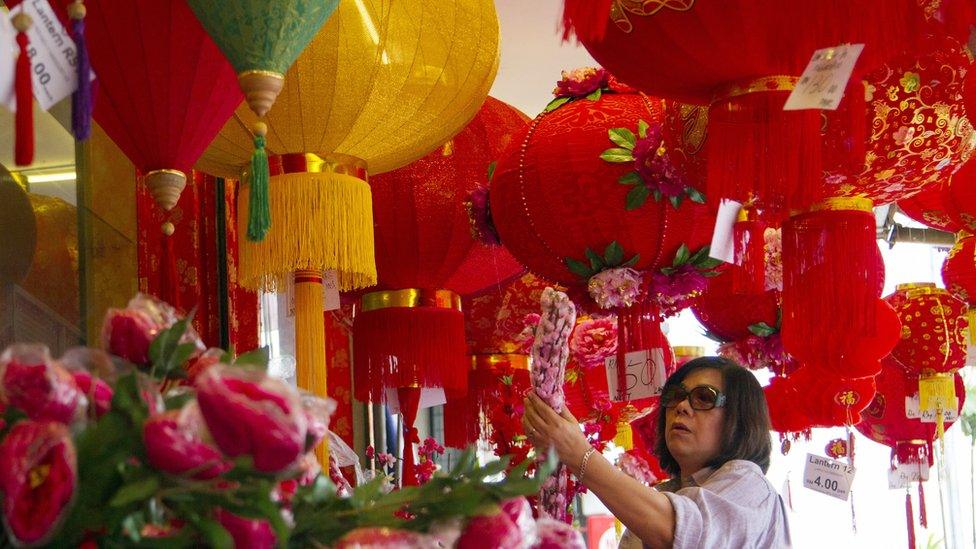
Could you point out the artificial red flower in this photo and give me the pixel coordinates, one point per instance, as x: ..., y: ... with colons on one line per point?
x: 98, y: 392
x: 31, y: 382
x: 580, y: 82
x: 247, y: 533
x: 175, y: 444
x: 382, y: 538
x: 127, y: 334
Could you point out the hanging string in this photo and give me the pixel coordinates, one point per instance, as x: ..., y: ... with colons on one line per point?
x: 910, y: 518
x: 81, y: 99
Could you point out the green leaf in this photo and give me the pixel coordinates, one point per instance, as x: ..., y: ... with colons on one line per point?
x: 134, y: 492
x: 632, y: 261
x: 657, y: 195
x: 578, y: 268
x: 556, y: 103
x: 762, y: 329
x: 630, y: 178
x: 613, y: 255
x: 622, y: 137
x: 595, y: 94
x: 675, y: 201
x: 257, y: 358
x: 637, y: 197
x: 491, y: 169
x: 596, y: 262
x: 617, y: 155
x: 701, y: 254
x: 176, y: 402
x: 681, y: 256
x: 642, y: 128
x: 216, y: 535
x: 695, y: 195
x: 711, y: 335
x: 708, y: 263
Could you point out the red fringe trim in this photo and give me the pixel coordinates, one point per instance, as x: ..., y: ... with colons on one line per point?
x: 756, y: 149
x: 409, y: 398
x: 749, y: 274
x: 409, y: 347
x: 24, y: 96
x: 587, y: 19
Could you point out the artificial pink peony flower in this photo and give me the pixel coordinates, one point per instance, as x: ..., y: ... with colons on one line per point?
x: 580, y: 82
x: 615, y: 288
x: 247, y: 533
x: 554, y: 534
x: 176, y: 444
x: 592, y: 341
x: 676, y: 291
x: 317, y: 412
x: 654, y: 165
x: 201, y: 362
x: 384, y: 538
x: 519, y: 510
x: 38, y: 477
x: 491, y: 531
x: 128, y: 333
x: 249, y: 413
x: 33, y: 383
x: 98, y: 392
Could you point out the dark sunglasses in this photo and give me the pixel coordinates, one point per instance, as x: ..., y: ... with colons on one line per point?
x: 702, y: 397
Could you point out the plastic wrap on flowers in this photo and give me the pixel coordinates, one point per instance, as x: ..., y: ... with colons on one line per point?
x: 127, y: 333
x: 495, y: 530
x: 93, y: 372
x: 177, y: 442
x: 550, y: 352
x: 38, y: 477
x: 33, y: 383
x: 806, y: 399
x: 251, y: 414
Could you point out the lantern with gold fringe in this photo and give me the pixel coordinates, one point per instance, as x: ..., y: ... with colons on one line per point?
x: 381, y: 84
x: 933, y: 345
x: 959, y: 276
x: 410, y: 333
x: 262, y: 43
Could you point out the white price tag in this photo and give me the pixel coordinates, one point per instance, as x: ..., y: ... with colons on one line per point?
x: 828, y: 476
x: 429, y: 397
x: 52, y: 52
x: 330, y: 290
x: 906, y: 474
x: 723, y: 241
x: 8, y: 60
x: 645, y: 375
x: 913, y: 411
x: 822, y: 84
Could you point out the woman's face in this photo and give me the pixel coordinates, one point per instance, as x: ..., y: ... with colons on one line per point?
x: 694, y: 437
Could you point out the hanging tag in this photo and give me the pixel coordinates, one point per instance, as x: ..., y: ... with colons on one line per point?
x: 645, y: 374
x: 8, y: 60
x: 429, y: 397
x: 828, y: 476
x: 822, y: 84
x: 723, y: 241
x: 52, y: 52
x: 905, y: 475
x: 913, y: 410
x: 937, y: 392
x: 330, y: 290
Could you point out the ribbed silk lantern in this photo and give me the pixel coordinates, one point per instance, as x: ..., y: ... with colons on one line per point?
x: 260, y: 42
x: 380, y: 85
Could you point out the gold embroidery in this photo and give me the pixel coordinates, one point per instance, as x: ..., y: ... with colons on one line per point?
x: 620, y: 8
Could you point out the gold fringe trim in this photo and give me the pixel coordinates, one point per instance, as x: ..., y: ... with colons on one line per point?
x: 310, y: 348
x: 320, y: 221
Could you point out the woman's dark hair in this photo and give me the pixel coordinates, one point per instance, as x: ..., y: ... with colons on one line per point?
x: 745, y: 432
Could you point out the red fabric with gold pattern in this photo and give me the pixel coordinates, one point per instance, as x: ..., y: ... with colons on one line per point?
x: 929, y: 208
x: 195, y: 258
x: 339, y: 372
x: 934, y: 329
x: 959, y: 271
x: 961, y: 198
x: 553, y: 196
x: 493, y: 320
x: 917, y: 131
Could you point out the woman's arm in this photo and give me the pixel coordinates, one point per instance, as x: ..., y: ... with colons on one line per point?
x: 643, y: 510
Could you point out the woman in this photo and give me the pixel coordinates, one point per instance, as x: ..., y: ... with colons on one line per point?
x: 712, y: 437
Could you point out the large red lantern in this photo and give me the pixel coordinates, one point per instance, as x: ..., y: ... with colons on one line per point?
x: 929, y: 208
x: 410, y: 333
x: 806, y: 398
x: 961, y: 195
x: 959, y: 275
x: 934, y: 329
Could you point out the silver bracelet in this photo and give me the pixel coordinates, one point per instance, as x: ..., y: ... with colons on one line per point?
x: 584, y: 462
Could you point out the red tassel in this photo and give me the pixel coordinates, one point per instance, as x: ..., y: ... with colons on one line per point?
x: 169, y: 276
x: 922, y: 518
x: 409, y: 398
x: 24, y: 95
x: 587, y: 19
x: 408, y: 346
x: 910, y: 519
x: 749, y: 275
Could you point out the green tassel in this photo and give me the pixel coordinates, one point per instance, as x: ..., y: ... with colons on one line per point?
x: 259, y: 211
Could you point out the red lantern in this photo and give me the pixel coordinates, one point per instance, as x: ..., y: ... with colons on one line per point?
x: 934, y: 329
x: 929, y: 208
x: 410, y: 334
x: 807, y: 398
x: 728, y: 315
x: 959, y: 275
x: 961, y: 195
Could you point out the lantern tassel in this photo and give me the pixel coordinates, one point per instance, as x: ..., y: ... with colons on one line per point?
x: 587, y: 19
x: 81, y: 99
x: 24, y: 95
x: 922, y: 517
x: 258, y: 207
x: 749, y: 277
x: 909, y: 515
x: 409, y: 398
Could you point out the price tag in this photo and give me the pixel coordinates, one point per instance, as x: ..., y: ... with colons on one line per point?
x: 52, y: 52
x: 645, y: 375
x: 822, y: 84
x: 330, y: 290
x: 828, y: 476
x: 8, y: 60
x: 906, y: 474
x: 723, y: 241
x: 913, y: 411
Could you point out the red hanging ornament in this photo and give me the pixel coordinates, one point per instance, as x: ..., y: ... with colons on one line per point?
x: 961, y: 195
x: 929, y: 208
x: 806, y: 398
x: 934, y: 329
x: 23, y: 94
x: 959, y: 276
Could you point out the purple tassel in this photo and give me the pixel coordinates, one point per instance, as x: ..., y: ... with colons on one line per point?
x: 81, y: 100
x: 479, y: 213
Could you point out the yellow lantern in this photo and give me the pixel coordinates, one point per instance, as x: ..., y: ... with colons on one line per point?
x: 382, y: 84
